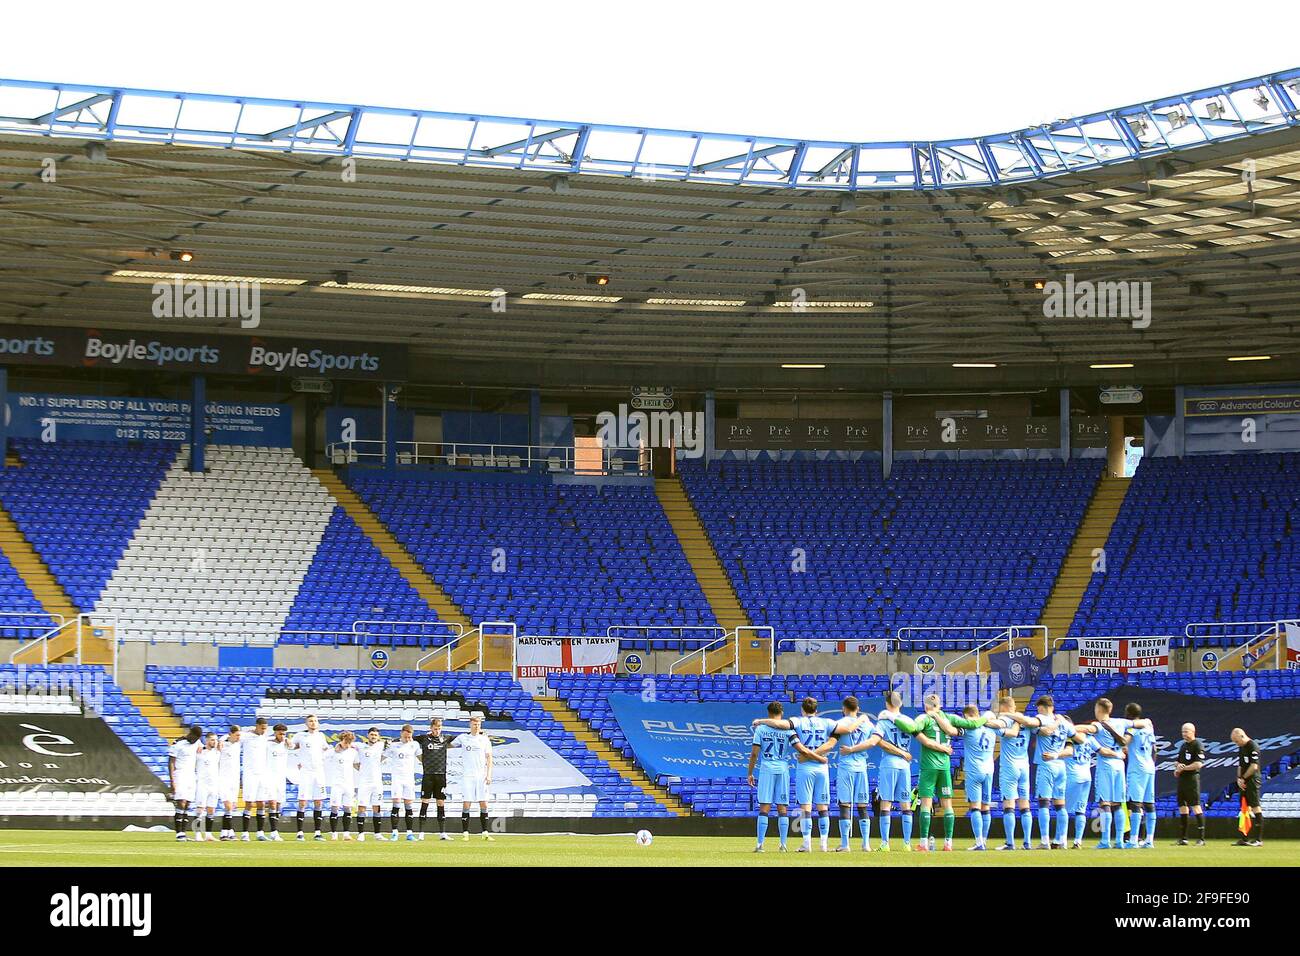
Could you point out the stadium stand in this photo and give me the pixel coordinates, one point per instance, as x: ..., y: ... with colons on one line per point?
x: 222, y: 553
x: 349, y: 581
x: 938, y: 544
x: 78, y: 503
x: 242, y: 694
x: 577, y: 558
x: 1209, y: 538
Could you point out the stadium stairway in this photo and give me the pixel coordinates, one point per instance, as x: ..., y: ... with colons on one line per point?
x: 429, y: 590
x: 55, y: 601
x: 708, y: 570
x: 158, y: 713
x: 580, y: 729
x: 1076, y: 570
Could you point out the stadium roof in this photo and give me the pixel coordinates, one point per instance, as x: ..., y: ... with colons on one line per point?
x: 901, y: 267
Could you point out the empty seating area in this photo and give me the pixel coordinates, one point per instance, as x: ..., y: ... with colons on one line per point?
x: 826, y: 548
x: 216, y: 698
x: 1201, y: 539
x: 79, y: 502
x: 556, y: 559
x: 21, y: 614
x: 349, y: 581
x: 220, y: 554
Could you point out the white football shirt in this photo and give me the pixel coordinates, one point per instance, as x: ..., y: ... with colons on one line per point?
x: 254, y: 755
x: 402, y: 759
x: 372, y: 756
x: 474, y: 750
x: 229, y: 762
x: 311, y: 747
x: 186, y: 755
x: 209, y: 760
x: 341, y: 768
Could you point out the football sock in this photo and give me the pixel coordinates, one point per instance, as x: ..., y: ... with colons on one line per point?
x: 783, y: 828
x: 483, y: 821
x: 846, y: 829
x: 923, y: 827
x: 302, y: 814
x: 1106, y: 816
x: 1182, y: 825
x: 442, y: 818
x: 316, y: 815
x: 410, y: 818
x: 392, y: 819
x: 762, y: 828
x: 1044, y: 823
x: 1200, y: 826
x: 1080, y: 824
x: 907, y: 826
x: 949, y: 824
x: 464, y: 821
x: 1027, y: 823
x: 976, y: 825
x: 1009, y: 826
x: 1062, y: 825
x: 227, y: 824
x: 886, y: 824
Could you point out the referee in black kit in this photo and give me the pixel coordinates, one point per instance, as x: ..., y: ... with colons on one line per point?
x: 1249, y: 772
x: 1187, y: 768
x: 433, y: 755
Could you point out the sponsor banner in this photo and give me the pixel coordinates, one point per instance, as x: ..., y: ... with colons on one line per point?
x: 99, y: 418
x: 197, y: 352
x: 1273, y: 724
x: 1089, y: 432
x: 521, y: 761
x: 825, y: 646
x: 804, y: 434
x: 1123, y: 655
x: 1236, y: 405
x: 79, y: 754
x: 538, y: 657
x: 1018, y: 667
x: 1292, y: 645
x: 703, y: 739
x: 938, y: 434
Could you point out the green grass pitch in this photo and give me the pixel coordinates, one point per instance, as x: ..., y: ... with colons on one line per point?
x: 81, y: 848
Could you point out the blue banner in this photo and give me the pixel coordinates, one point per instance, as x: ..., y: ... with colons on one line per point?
x: 1018, y: 667
x: 701, y: 739
x: 49, y: 417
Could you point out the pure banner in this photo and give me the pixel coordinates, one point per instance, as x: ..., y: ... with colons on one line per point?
x: 69, y: 752
x: 1123, y: 655
x: 700, y: 739
x: 521, y: 761
x: 1273, y: 724
x: 53, y: 418
x: 538, y: 657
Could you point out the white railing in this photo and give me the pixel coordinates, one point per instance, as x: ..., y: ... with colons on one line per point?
x: 473, y: 635
x: 44, y: 631
x: 1249, y: 633
x: 982, y: 637
x: 834, y: 636
x: 683, y: 632
x: 562, y: 459
x: 83, y: 626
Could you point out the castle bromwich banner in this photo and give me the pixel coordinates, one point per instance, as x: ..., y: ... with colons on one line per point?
x: 1123, y: 655
x: 69, y: 752
x: 1273, y: 724
x: 538, y: 657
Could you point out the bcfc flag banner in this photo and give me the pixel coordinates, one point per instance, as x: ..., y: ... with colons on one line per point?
x: 45, y: 752
x: 54, y: 418
x: 538, y: 657
x: 702, y: 739
x: 1123, y: 655
x: 1273, y: 724
x: 1018, y: 667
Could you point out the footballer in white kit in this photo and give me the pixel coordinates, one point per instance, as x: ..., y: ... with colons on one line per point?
x: 370, y: 781
x: 476, y: 774
x: 341, y: 764
x: 254, y: 771
x: 228, y: 781
x: 182, y: 768
x: 274, y: 777
x: 207, y: 785
x: 402, y: 756
x: 310, y: 748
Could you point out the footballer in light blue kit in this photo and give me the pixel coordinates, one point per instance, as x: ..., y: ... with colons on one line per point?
x: 1013, y: 775
x: 1141, y: 779
x: 1081, y: 754
x: 1112, y: 791
x: 851, y: 784
x: 772, y: 751
x: 977, y: 763
x: 813, y: 737
x: 1050, y: 776
x: 895, y: 731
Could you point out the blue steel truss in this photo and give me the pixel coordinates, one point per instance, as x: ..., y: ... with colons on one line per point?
x: 1160, y: 127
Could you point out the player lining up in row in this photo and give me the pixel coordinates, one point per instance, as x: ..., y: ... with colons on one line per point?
x: 208, y: 772
x: 1123, y: 750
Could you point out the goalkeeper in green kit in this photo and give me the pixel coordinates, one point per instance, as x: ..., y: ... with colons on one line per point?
x: 936, y: 765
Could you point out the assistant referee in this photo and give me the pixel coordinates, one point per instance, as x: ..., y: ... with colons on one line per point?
x: 1249, y: 773
x: 433, y: 756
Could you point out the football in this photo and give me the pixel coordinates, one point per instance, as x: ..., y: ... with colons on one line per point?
x: 644, y: 838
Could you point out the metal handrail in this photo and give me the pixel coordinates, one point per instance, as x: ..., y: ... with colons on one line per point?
x: 614, y: 459
x: 44, y: 636
x: 645, y: 628
x: 703, y: 651
x: 1008, y: 632
x: 1271, y: 629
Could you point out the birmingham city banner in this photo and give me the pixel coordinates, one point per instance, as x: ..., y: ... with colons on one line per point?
x: 521, y: 761
x: 700, y: 739
x: 538, y: 657
x: 1273, y: 724
x: 1123, y: 655
x: 68, y: 752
